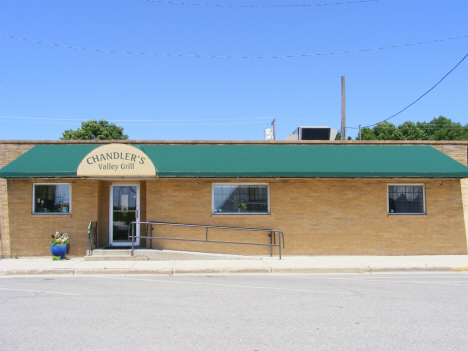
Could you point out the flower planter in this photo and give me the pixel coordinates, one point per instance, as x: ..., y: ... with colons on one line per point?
x: 58, y: 250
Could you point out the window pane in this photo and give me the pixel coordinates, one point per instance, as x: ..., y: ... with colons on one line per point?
x: 406, y: 199
x: 52, y: 198
x: 240, y: 199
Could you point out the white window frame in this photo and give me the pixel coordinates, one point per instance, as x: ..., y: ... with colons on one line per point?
x: 51, y: 213
x: 407, y: 214
x: 239, y: 213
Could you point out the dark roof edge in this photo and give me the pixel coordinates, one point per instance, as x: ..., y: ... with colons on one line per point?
x: 218, y: 177
x: 240, y: 142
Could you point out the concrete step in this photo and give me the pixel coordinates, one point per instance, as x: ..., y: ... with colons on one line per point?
x: 115, y: 258
x: 111, y: 252
x: 159, y: 255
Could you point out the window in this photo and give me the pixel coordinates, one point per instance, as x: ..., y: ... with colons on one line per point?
x: 406, y: 199
x: 51, y: 198
x: 240, y: 199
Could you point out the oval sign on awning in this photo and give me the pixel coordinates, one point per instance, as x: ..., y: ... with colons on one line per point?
x: 116, y: 160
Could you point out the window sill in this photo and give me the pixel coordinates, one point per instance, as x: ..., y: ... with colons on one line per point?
x: 397, y: 215
x: 48, y: 215
x: 238, y: 216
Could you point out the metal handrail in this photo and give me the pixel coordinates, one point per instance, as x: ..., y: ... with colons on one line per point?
x: 272, y: 235
x: 92, y: 236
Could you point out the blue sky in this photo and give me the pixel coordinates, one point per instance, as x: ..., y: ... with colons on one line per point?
x: 191, y: 98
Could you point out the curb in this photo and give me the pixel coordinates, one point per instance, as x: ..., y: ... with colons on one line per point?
x: 462, y: 268
x: 37, y: 271
x: 223, y: 271
x: 172, y: 271
x: 362, y: 270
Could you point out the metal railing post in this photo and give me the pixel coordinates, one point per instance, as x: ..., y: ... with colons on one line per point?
x: 151, y: 236
x: 95, y: 234
x: 271, y: 244
x: 133, y: 236
x: 279, y: 243
x: 90, y: 243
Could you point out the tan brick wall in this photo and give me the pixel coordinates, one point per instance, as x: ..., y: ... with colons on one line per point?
x: 8, y: 153
x: 30, y: 234
x: 318, y: 217
x: 464, y: 191
x: 457, y: 152
x: 103, y: 218
x: 4, y: 222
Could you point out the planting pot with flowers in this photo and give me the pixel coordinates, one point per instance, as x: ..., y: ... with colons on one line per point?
x: 59, y: 246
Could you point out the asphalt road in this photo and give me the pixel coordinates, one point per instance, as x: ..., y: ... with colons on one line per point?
x: 236, y: 312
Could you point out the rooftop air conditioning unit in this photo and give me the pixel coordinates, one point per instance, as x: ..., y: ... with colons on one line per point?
x: 269, y: 134
x: 313, y: 133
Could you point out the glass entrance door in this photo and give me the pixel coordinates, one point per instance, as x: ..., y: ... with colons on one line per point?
x: 124, y: 209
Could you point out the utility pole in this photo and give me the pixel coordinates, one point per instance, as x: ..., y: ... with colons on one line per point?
x: 343, y: 109
x: 360, y: 138
x: 274, y: 128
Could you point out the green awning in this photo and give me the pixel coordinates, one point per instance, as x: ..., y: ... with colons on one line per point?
x: 47, y: 161
x: 254, y: 161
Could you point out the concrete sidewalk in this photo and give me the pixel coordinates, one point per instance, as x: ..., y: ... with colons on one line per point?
x: 289, y: 264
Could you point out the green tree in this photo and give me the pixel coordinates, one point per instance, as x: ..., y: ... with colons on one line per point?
x: 440, y: 128
x: 410, y: 131
x: 443, y: 128
x: 367, y: 134
x: 386, y: 131
x: 95, y: 130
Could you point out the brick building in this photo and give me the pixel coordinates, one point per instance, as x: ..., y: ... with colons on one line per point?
x: 327, y: 197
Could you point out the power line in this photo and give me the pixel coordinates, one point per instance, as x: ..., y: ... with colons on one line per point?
x: 147, y: 124
x: 230, y: 57
x: 428, y: 126
x: 306, y: 119
x: 137, y: 120
x: 419, y: 98
x: 161, y: 120
x: 191, y: 124
x: 260, y: 6
x: 425, y: 128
